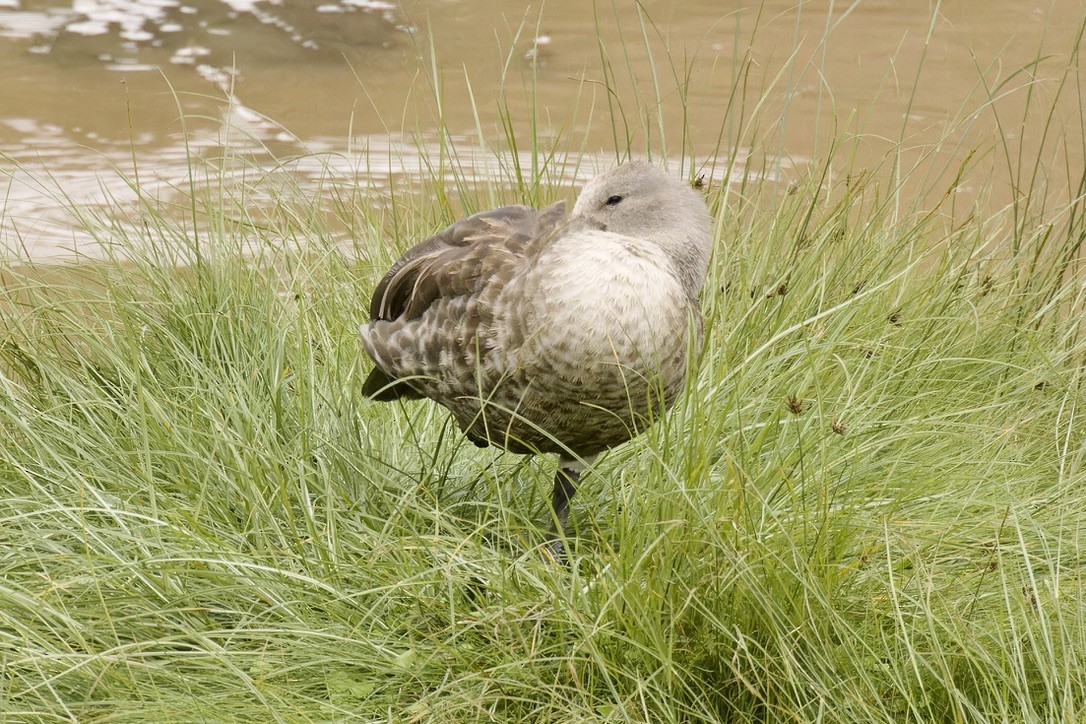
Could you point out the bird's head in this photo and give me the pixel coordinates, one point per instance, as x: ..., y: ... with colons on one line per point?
x: 640, y: 200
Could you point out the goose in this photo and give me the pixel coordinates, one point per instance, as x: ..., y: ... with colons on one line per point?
x: 544, y: 331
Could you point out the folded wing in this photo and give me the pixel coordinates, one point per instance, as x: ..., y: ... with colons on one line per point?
x: 457, y: 261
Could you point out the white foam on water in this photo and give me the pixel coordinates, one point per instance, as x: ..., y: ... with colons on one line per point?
x: 374, y: 5
x: 88, y: 27
x: 25, y: 25
x: 189, y: 54
x: 100, y: 16
x: 245, y: 6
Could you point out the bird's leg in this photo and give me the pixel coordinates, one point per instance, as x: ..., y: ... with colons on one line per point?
x: 565, y: 487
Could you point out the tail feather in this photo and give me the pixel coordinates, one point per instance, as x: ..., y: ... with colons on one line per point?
x: 383, y: 387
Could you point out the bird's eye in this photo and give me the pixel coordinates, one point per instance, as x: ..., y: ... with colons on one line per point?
x: 614, y: 200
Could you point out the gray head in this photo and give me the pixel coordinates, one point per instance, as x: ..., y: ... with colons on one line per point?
x: 640, y: 200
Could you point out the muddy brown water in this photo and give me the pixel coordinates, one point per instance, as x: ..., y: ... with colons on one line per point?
x: 347, y: 84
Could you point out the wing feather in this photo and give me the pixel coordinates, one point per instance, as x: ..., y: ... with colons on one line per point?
x: 458, y: 259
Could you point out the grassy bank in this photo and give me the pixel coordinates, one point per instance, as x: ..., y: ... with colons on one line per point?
x: 868, y: 506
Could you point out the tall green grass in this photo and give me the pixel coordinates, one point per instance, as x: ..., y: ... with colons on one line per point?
x: 868, y: 506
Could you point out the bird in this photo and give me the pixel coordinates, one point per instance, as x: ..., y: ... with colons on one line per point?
x: 547, y: 331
